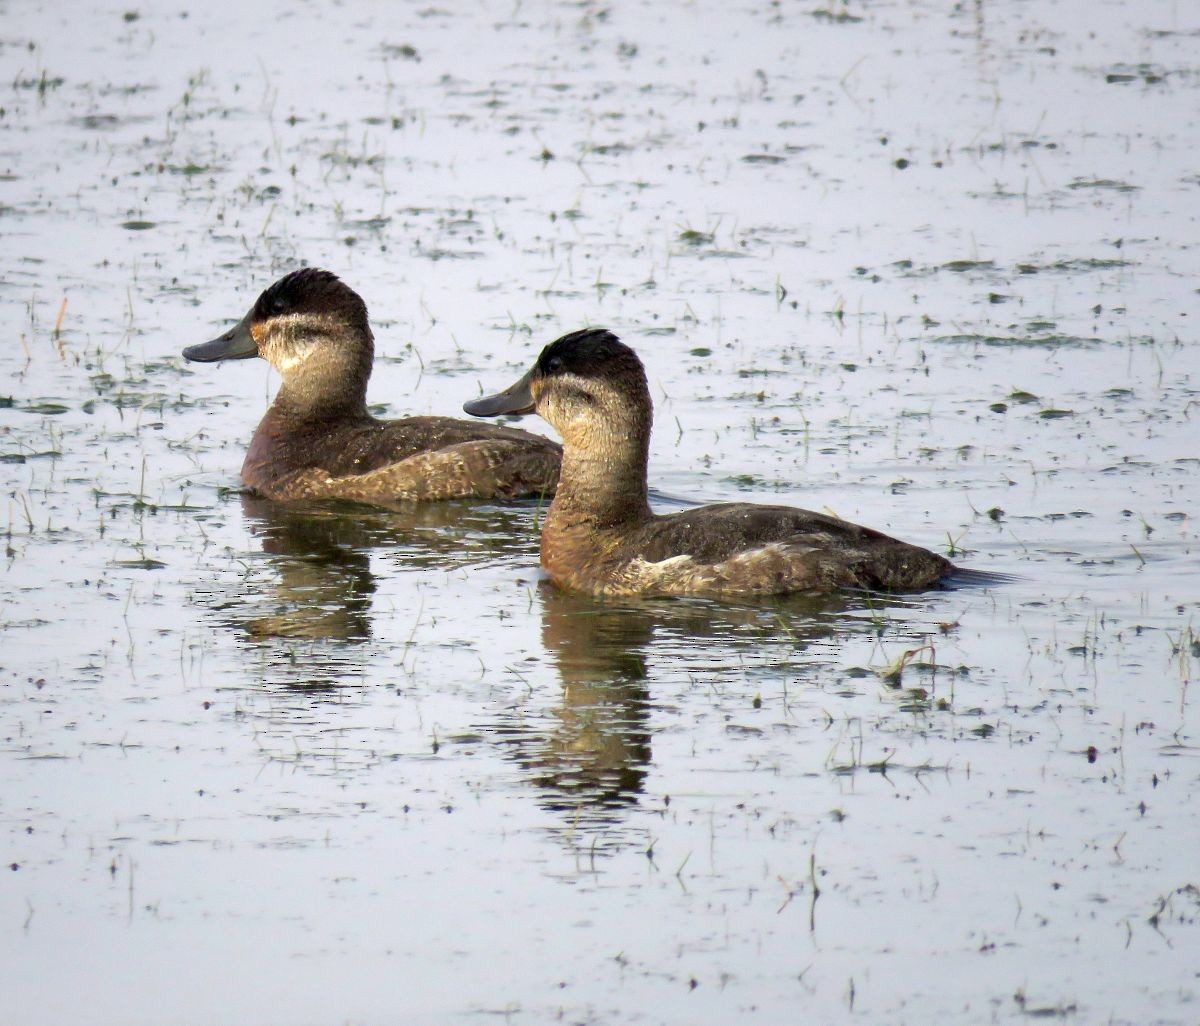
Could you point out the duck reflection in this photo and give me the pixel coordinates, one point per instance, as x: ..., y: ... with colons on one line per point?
x: 317, y: 583
x: 324, y: 583
x: 593, y: 746
x: 304, y: 613
x: 590, y: 752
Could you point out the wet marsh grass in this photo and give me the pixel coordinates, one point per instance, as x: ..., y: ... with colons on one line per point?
x: 968, y: 765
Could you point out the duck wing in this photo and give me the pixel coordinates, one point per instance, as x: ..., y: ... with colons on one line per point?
x: 752, y: 549
x: 419, y: 459
x: 377, y: 445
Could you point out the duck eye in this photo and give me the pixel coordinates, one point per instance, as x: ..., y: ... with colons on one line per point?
x: 554, y: 364
x: 277, y: 305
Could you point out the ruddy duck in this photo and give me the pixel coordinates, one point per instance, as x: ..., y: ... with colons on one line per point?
x: 317, y: 441
x: 600, y: 536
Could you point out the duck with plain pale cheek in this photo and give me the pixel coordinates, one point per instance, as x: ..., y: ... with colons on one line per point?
x: 317, y: 441
x: 600, y: 536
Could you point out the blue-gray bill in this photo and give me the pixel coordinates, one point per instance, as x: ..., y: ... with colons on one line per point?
x: 517, y: 400
x: 236, y: 344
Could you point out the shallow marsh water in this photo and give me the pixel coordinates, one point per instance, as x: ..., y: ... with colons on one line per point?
x: 932, y: 267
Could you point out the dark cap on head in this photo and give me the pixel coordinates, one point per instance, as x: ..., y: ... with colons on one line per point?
x: 306, y: 291
x: 581, y: 352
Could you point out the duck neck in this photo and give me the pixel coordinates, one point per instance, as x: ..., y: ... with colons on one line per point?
x: 603, y: 480
x: 303, y: 402
x: 326, y: 387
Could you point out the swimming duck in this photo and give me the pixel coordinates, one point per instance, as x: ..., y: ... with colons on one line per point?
x: 317, y: 440
x: 599, y: 535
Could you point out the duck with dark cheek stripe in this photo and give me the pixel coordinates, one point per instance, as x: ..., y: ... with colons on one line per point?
x: 600, y: 536
x: 317, y: 440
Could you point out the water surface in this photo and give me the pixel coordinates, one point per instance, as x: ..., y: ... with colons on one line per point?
x: 930, y: 267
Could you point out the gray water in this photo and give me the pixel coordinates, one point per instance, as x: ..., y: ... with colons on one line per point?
x: 930, y: 267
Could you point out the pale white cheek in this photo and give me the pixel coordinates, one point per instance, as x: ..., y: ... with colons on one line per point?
x: 293, y: 358
x: 570, y: 420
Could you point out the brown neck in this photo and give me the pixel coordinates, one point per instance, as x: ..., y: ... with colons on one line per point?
x: 323, y: 389
x: 603, y: 483
x: 305, y: 404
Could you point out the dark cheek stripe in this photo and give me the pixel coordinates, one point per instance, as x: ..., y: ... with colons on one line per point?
x: 570, y: 394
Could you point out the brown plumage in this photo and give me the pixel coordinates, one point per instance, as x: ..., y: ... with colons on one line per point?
x: 600, y: 536
x: 317, y: 441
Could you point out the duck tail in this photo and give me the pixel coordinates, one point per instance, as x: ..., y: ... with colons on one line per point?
x: 961, y: 576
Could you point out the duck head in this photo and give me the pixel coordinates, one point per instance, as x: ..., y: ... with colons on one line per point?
x: 308, y: 325
x: 587, y: 385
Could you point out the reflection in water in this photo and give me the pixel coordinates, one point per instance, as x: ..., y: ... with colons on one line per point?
x: 304, y: 612
x: 594, y: 747
x: 318, y: 585
x: 590, y: 752
x: 324, y: 583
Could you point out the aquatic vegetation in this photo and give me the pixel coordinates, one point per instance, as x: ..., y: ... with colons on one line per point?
x: 927, y: 267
